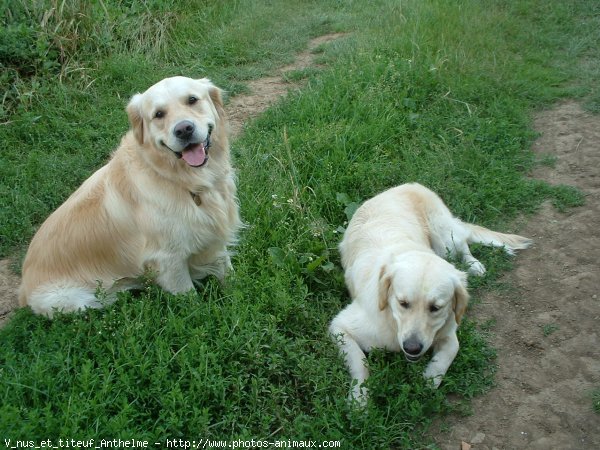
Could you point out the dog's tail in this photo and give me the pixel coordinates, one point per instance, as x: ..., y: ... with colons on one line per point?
x: 510, y: 242
x: 48, y: 299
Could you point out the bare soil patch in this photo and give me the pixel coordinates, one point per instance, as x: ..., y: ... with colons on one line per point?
x: 546, y: 327
x: 9, y: 283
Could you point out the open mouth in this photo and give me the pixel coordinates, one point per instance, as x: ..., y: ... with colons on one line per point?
x: 195, y: 154
x: 411, y: 358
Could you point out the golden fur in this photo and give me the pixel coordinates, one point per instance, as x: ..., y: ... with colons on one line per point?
x: 164, y: 203
x: 405, y: 296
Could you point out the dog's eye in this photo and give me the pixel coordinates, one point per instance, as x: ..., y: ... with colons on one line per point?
x: 434, y: 308
x: 404, y: 304
x: 159, y: 114
x: 192, y: 100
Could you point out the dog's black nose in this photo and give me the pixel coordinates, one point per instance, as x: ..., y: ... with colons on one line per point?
x: 184, y: 130
x: 412, y: 347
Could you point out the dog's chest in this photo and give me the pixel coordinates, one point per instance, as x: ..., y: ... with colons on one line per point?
x: 211, y: 211
x: 190, y: 221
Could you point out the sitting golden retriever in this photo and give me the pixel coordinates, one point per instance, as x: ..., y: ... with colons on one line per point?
x: 405, y: 296
x: 164, y: 204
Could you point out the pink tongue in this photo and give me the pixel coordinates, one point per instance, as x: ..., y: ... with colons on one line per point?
x: 194, y: 155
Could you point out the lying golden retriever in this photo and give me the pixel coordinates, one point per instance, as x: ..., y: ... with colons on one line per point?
x: 164, y: 204
x: 405, y: 296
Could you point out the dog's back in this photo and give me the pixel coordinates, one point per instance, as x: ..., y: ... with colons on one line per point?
x: 412, y: 217
x: 395, y: 220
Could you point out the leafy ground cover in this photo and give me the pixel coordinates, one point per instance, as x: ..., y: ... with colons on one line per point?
x: 415, y: 91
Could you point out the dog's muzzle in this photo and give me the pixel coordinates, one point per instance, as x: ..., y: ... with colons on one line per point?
x: 413, y: 349
x: 194, y: 153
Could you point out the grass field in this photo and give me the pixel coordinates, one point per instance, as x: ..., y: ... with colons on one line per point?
x: 427, y: 90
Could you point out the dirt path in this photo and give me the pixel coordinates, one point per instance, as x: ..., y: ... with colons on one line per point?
x: 547, y: 328
x: 266, y: 91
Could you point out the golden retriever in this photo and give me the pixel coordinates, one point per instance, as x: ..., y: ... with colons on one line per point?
x: 405, y: 296
x: 164, y: 204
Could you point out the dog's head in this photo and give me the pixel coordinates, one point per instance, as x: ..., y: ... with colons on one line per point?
x: 178, y: 116
x: 423, y: 292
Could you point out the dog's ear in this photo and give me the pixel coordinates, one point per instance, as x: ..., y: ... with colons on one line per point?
x: 461, y: 296
x: 135, y: 117
x: 216, y: 95
x: 385, y: 283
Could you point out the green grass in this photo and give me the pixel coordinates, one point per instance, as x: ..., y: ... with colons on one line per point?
x: 422, y: 91
x: 549, y: 328
x: 596, y: 400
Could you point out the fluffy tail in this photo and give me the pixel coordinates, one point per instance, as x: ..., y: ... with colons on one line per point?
x: 48, y: 299
x: 510, y: 242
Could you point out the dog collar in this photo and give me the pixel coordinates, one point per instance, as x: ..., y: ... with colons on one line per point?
x: 196, y: 198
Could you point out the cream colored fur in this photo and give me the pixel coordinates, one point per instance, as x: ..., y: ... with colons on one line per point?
x: 146, y: 211
x: 405, y: 296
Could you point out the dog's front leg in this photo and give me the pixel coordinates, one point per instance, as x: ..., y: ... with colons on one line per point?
x: 173, y: 275
x: 354, y: 358
x: 444, y: 352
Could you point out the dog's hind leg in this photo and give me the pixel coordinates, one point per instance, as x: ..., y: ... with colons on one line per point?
x: 218, y: 265
x: 175, y: 282
x: 171, y: 272
x: 463, y: 251
x: 459, y: 235
x: 452, y: 239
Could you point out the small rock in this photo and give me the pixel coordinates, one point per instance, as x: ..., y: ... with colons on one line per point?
x: 478, y: 438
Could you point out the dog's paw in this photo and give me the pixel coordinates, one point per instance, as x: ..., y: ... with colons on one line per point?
x: 476, y: 268
x: 433, y: 378
x: 358, y: 397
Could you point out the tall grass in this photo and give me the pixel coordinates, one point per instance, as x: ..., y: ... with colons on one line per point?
x: 52, y: 38
x: 428, y: 91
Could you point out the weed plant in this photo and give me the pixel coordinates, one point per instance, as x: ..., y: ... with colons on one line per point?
x: 596, y: 400
x: 429, y: 91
